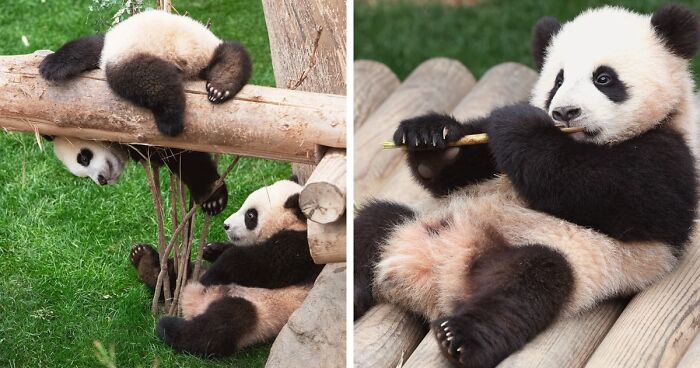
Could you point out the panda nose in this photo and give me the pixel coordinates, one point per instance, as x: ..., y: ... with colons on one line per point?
x: 566, y: 113
x: 226, y: 227
x: 101, y: 179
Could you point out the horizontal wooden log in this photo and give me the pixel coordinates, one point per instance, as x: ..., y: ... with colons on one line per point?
x: 374, y: 82
x: 691, y: 358
x: 323, y: 198
x: 261, y: 121
x: 327, y: 242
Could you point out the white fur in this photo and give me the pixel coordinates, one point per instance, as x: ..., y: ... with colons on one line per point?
x: 67, y: 150
x: 658, y: 82
x: 178, y: 39
x: 272, y: 216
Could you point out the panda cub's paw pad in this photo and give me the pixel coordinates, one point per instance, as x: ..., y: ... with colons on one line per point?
x: 452, y: 339
x: 212, y: 251
x: 217, y: 93
x: 216, y: 202
x: 139, y: 251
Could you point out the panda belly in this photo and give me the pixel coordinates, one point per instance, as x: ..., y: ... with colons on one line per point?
x: 179, y: 40
x: 424, y: 264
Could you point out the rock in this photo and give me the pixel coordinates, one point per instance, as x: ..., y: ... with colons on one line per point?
x: 314, y: 336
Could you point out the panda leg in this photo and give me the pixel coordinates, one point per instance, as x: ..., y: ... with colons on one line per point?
x: 215, y: 333
x: 228, y: 71
x: 373, y: 224
x: 147, y: 263
x: 198, y: 171
x: 517, y: 293
x: 73, y: 58
x: 154, y: 83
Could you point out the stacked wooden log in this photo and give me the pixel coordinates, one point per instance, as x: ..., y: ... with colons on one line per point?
x: 656, y: 329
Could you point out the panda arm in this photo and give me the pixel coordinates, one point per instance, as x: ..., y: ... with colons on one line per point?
x: 640, y: 189
x: 282, y: 260
x: 198, y: 171
x: 438, y: 168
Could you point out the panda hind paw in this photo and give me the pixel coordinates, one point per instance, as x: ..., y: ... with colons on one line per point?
x: 216, y: 202
x: 139, y: 251
x: 218, y: 93
x: 453, y: 340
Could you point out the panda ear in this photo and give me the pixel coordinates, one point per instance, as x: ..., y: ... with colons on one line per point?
x: 677, y: 25
x: 542, y: 34
x: 294, y: 178
x: 293, y: 204
x: 48, y: 137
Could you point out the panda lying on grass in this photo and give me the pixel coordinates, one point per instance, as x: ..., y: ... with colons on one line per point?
x: 254, y: 283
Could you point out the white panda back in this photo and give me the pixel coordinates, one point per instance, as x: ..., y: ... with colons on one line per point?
x: 178, y: 39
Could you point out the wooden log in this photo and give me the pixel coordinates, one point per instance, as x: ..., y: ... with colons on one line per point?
x: 327, y: 242
x: 374, y: 82
x: 691, y: 358
x: 385, y: 337
x: 436, y: 85
x: 323, y: 198
x: 427, y: 355
x: 261, y: 121
x: 658, y: 324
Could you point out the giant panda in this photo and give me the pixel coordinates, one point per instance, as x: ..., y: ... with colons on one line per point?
x: 254, y: 283
x: 103, y: 162
x: 147, y: 57
x: 576, y: 219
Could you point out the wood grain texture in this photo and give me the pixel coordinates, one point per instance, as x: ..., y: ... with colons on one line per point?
x: 374, y: 82
x: 691, y: 358
x: 260, y: 121
x: 327, y: 242
x: 427, y: 355
x: 385, y: 337
x: 436, y: 85
x: 323, y: 198
x: 659, y: 323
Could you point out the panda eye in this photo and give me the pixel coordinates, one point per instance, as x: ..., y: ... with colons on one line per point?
x: 559, y: 82
x: 603, y: 79
x: 84, y: 157
x: 251, y: 214
x: 251, y: 219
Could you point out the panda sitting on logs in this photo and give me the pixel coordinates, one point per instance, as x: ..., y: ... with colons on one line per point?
x: 253, y: 284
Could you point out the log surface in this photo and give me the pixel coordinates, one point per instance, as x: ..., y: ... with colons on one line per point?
x: 374, y: 82
x: 260, y: 121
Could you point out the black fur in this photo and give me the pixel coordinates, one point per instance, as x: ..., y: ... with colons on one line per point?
x: 228, y: 71
x: 542, y: 33
x: 73, y: 58
x: 640, y: 189
x: 280, y: 261
x: 153, y: 83
x: 426, y: 143
x: 212, y: 251
x: 615, y: 90
x: 373, y: 223
x: 558, y: 81
x: 292, y: 203
x: 251, y: 218
x: 196, y: 169
x: 145, y: 260
x: 516, y: 292
x: 677, y: 25
x: 215, y: 333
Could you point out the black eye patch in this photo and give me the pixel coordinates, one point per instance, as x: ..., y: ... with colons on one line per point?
x: 606, y: 80
x: 251, y: 219
x: 558, y: 81
x: 84, y: 157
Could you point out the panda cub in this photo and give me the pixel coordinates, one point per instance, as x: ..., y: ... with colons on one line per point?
x: 103, y: 162
x: 147, y: 57
x: 575, y: 220
x: 254, y: 283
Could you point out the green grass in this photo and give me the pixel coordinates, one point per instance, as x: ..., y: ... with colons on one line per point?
x: 402, y: 35
x: 64, y: 241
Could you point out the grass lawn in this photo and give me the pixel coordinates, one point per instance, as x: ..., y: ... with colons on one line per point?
x: 64, y: 241
x: 402, y: 35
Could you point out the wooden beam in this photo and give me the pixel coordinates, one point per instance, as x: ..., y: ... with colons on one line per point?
x: 374, y: 82
x: 327, y: 241
x: 323, y: 198
x: 261, y: 121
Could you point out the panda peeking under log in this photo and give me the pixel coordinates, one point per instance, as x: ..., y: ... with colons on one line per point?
x: 253, y: 284
x: 577, y: 219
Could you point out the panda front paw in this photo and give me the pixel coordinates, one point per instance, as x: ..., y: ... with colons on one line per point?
x: 213, y: 251
x: 216, y: 202
x: 218, y: 93
x: 431, y: 131
x: 453, y: 340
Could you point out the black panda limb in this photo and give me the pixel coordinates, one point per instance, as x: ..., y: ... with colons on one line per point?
x: 282, y: 260
x: 373, y: 224
x: 438, y: 168
x: 517, y: 293
x: 228, y: 71
x: 622, y: 189
x: 214, y: 333
x: 153, y: 83
x: 146, y: 261
x: 212, y: 251
x: 73, y: 58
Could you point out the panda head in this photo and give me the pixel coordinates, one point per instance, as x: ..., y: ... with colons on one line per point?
x: 614, y: 72
x: 265, y: 212
x: 102, y: 162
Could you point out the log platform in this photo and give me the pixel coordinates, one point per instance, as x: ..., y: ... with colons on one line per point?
x: 656, y: 328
